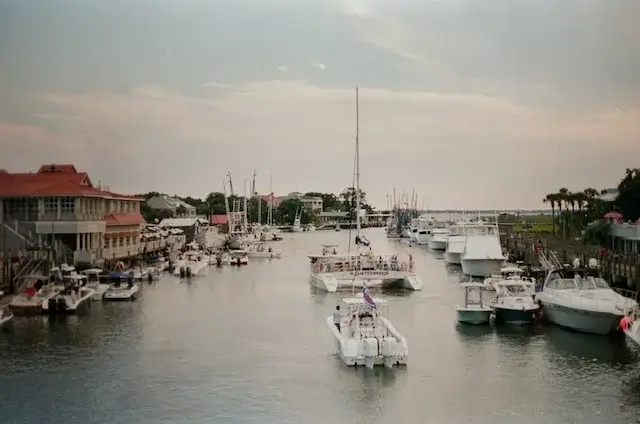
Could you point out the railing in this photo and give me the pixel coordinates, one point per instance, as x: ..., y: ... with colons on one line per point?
x: 352, y: 267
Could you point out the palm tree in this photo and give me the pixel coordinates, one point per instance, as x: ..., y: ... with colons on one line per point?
x: 552, y: 199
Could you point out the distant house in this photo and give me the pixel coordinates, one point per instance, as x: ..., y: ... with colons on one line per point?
x: 313, y: 204
x: 331, y: 217
x: 190, y: 226
x: 172, y: 205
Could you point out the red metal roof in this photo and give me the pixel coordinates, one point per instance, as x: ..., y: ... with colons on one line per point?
x: 133, y: 218
x: 267, y: 198
x: 220, y: 219
x: 52, y: 180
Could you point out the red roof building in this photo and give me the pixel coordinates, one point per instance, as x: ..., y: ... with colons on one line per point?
x: 269, y: 197
x: 60, y: 202
x: 219, y: 219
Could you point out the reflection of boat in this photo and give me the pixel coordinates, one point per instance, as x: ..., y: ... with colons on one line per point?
x: 581, y: 346
x: 365, y: 336
x: 475, y: 310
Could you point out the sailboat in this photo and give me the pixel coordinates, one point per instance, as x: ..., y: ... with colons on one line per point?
x: 297, y: 227
x: 331, y: 271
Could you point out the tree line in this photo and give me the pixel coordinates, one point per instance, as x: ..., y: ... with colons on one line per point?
x: 575, y: 212
x: 283, y: 214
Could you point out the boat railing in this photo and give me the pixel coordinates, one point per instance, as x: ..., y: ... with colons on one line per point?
x: 396, y: 266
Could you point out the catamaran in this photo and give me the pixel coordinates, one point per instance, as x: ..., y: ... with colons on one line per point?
x: 331, y: 270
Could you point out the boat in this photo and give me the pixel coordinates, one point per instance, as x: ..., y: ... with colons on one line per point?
x: 122, y: 288
x: 5, y: 316
x: 337, y: 227
x: 259, y: 250
x: 514, y: 302
x: 194, y: 263
x: 222, y: 258
x: 331, y: 270
x: 474, y: 310
x: 365, y: 336
x: 456, y: 241
x: 413, y: 230
x: 93, y: 282
x: 310, y: 227
x: 482, y: 255
x: 580, y: 301
x: 71, y: 299
x: 507, y: 273
x: 30, y: 302
x: 239, y: 257
x: 438, y: 239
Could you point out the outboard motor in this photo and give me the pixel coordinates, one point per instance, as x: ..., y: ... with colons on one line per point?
x: 182, y: 272
x: 150, y: 277
x: 188, y: 272
x: 52, y: 305
x: 370, y: 351
x: 62, y: 304
x: 219, y: 260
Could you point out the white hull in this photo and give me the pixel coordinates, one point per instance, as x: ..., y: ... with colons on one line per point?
x: 100, y: 289
x: 122, y: 293
x: 67, y: 303
x: 334, y: 281
x: 264, y: 255
x: 474, y: 316
x: 353, y: 351
x: 436, y: 244
x: 481, y: 267
x: 422, y: 238
x: 452, y: 258
x: 296, y: 229
x: 413, y: 236
x: 196, y: 268
x: 580, y: 319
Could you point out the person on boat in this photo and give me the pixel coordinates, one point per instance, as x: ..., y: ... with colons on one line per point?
x: 337, y: 317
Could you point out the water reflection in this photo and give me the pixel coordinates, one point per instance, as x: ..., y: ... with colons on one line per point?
x: 581, y: 346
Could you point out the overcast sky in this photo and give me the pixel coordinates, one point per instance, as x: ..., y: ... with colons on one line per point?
x: 475, y: 104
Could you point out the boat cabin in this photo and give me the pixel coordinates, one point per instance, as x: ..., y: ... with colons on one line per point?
x: 361, y: 319
x: 473, y: 294
x: 514, y: 288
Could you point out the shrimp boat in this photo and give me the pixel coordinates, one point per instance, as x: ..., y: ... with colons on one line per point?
x: 475, y: 310
x: 366, y: 337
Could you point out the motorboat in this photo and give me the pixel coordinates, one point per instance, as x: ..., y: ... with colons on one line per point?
x: 30, y: 301
x: 506, y: 273
x: 70, y: 300
x: 514, y: 302
x: 5, y: 316
x: 239, y: 257
x: 122, y: 288
x: 413, y: 230
x: 365, y: 336
x: 221, y: 258
x: 194, y: 263
x: 582, y: 302
x: 475, y: 309
x: 482, y: 255
x: 93, y: 282
x: 259, y: 250
x: 332, y: 271
x: 438, y: 239
x: 456, y: 240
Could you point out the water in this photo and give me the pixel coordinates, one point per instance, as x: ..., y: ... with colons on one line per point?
x: 251, y: 345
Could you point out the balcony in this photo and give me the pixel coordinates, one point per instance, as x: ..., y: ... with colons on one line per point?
x: 70, y: 223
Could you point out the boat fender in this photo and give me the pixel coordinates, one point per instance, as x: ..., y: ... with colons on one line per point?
x: 389, y: 346
x: 625, y: 323
x: 370, y: 347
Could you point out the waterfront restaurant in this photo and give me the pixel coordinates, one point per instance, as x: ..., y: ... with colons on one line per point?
x: 59, y: 208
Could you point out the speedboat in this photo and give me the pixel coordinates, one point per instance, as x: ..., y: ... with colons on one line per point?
x: 122, y: 288
x: 366, y: 337
x: 30, y: 302
x: 93, y: 282
x: 71, y: 299
x: 239, y: 257
x: 582, y: 302
x: 194, y: 263
x: 506, y: 273
x: 514, y: 303
x: 438, y: 239
x: 259, y: 250
x: 474, y: 310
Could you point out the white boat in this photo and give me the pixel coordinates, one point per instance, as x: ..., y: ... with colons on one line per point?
x: 194, y: 263
x: 221, y: 258
x: 5, y: 316
x: 297, y: 227
x: 93, y: 282
x: 366, y: 337
x: 474, y: 310
x: 122, y: 288
x: 506, y: 273
x: 579, y: 301
x: 456, y: 241
x: 331, y: 271
x: 482, y: 255
x: 438, y: 239
x: 514, y: 302
x: 413, y: 230
x: 30, y: 302
x: 259, y: 250
x: 70, y: 300
x: 311, y: 227
x: 239, y: 257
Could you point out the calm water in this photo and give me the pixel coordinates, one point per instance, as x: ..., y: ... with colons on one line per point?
x: 250, y: 345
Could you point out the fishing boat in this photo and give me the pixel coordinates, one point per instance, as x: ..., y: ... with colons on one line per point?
x: 474, y: 310
x: 74, y: 297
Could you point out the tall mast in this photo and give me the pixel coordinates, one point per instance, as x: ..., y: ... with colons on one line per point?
x: 270, y: 212
x: 357, y: 164
x: 245, y: 205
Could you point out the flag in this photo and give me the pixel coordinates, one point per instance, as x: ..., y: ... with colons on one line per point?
x: 368, y: 300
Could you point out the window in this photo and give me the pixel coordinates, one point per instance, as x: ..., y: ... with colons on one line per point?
x: 67, y: 204
x: 51, y: 205
x: 121, y: 239
x: 106, y: 243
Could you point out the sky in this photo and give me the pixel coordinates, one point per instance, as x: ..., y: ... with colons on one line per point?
x: 474, y: 104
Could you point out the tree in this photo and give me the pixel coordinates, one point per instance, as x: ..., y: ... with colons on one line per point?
x: 552, y: 199
x: 154, y: 215
x: 181, y: 210
x: 286, y: 211
x: 348, y: 197
x: 628, y: 200
x: 597, y: 233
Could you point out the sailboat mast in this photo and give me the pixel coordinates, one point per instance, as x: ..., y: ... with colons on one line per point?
x: 245, y: 205
x: 357, y: 164
x: 270, y: 212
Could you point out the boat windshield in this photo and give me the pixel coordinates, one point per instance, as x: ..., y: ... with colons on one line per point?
x: 579, y: 283
x: 513, y: 290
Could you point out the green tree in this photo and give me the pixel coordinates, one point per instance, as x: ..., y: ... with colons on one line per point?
x: 286, y: 211
x: 153, y: 216
x: 628, y: 200
x: 256, y: 204
x: 181, y: 210
x: 348, y: 197
x: 597, y: 233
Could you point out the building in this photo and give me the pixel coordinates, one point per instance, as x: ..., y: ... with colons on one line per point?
x: 59, y: 210
x: 269, y: 198
x: 333, y: 217
x: 313, y: 204
x: 178, y: 208
x: 191, y: 227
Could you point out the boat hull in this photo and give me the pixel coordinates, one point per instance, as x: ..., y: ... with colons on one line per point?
x: 121, y: 295
x: 422, y: 238
x: 452, y: 258
x: 481, y: 267
x: 59, y: 305
x: 435, y: 244
x: 522, y: 316
x: 332, y: 282
x: 580, y: 320
x: 475, y: 317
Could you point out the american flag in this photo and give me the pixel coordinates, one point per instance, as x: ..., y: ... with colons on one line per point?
x: 368, y: 300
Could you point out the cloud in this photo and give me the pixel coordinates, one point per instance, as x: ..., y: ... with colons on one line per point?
x: 215, y: 85
x: 470, y: 151
x: 320, y: 66
x: 282, y: 68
